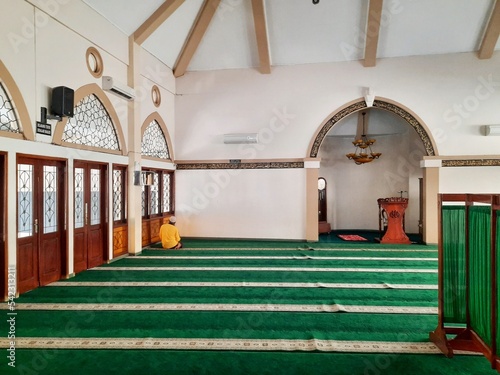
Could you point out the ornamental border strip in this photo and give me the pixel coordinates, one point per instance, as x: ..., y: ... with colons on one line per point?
x: 241, y: 165
x: 471, y: 163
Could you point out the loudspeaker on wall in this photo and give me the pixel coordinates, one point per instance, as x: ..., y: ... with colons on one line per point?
x: 62, y: 101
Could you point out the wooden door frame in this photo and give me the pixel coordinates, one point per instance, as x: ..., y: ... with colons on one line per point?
x: 62, y: 209
x: 4, y: 263
x: 87, y: 165
x: 120, y: 227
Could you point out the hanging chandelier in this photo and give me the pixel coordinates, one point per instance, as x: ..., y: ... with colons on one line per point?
x: 363, y: 153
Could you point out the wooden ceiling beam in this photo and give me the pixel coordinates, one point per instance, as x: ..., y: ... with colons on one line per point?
x: 491, y: 34
x: 155, y: 20
x: 196, y: 35
x: 259, y: 18
x: 372, y: 32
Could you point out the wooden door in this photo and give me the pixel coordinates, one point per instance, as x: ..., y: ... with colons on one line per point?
x: 3, y: 231
x: 40, y: 222
x: 90, y: 235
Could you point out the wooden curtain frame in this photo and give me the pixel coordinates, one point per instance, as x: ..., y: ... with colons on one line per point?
x: 466, y: 338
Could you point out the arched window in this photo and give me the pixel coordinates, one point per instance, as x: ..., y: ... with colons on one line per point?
x: 14, y: 118
x: 95, y: 125
x: 154, y: 143
x: 8, y: 118
x: 91, y: 125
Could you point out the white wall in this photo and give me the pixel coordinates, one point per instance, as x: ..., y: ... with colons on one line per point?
x: 241, y: 203
x: 453, y: 95
x: 469, y: 180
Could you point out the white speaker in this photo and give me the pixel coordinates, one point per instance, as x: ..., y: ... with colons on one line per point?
x: 238, y: 138
x: 492, y: 130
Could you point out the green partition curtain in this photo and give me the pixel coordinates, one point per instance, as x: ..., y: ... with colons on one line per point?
x: 453, y: 234
x: 480, y: 271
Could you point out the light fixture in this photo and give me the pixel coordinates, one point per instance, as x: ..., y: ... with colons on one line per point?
x: 363, y: 153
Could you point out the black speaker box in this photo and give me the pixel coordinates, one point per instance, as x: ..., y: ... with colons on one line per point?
x: 62, y: 101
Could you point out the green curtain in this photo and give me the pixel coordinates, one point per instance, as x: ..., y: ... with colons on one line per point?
x: 453, y: 234
x: 480, y: 271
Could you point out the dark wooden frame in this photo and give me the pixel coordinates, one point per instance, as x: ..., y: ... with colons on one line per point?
x: 3, y: 229
x: 466, y: 338
x: 151, y: 223
x: 62, y: 209
x: 104, y: 204
x: 120, y: 227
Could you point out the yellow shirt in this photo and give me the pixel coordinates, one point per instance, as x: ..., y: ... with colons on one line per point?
x: 169, y: 236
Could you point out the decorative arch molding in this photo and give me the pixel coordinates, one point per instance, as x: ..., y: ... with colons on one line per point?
x: 19, y: 106
x: 155, y: 116
x: 81, y: 93
x: 382, y: 103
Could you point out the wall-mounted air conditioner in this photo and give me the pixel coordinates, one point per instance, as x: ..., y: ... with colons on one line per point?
x: 491, y: 129
x: 238, y: 138
x: 120, y: 89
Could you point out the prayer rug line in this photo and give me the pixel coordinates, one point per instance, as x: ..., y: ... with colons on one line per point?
x: 240, y: 284
x: 269, y: 269
x: 227, y: 344
x: 306, y: 257
x: 268, y: 307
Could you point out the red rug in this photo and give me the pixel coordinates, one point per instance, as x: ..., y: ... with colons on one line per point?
x: 351, y: 237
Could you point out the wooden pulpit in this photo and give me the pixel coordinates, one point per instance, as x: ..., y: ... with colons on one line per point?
x: 395, y: 208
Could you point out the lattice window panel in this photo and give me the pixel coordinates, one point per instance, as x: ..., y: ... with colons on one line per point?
x: 95, y: 196
x: 8, y: 118
x: 119, y: 205
x: 49, y: 199
x: 154, y: 143
x: 143, y: 200
x: 155, y: 196
x: 25, y: 200
x: 167, y: 203
x: 79, y: 198
x: 91, y: 125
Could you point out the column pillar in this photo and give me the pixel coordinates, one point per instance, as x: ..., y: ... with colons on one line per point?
x: 430, y: 199
x: 134, y: 192
x: 312, y: 174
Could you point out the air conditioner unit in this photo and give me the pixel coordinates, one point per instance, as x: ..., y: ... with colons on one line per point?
x: 120, y: 89
x: 238, y: 138
x: 492, y: 130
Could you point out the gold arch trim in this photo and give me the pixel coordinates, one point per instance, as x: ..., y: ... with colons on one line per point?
x: 155, y: 116
x: 82, y: 92
x: 382, y: 103
x: 19, y: 106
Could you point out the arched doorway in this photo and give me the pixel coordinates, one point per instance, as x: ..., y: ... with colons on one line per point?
x: 400, y: 173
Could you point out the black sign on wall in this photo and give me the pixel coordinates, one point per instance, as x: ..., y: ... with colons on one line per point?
x: 45, y: 129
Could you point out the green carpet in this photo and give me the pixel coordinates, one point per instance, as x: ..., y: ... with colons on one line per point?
x: 105, y: 315
x: 119, y: 362
x: 345, y: 296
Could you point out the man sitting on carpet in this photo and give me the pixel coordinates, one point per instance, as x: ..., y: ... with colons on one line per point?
x: 169, y: 235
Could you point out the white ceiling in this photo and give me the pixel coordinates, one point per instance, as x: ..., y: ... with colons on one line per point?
x: 300, y: 32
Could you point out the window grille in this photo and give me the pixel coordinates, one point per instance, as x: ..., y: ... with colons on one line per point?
x: 154, y: 143
x: 8, y: 118
x: 91, y: 125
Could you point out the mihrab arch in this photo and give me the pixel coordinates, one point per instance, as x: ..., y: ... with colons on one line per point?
x: 381, y: 103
